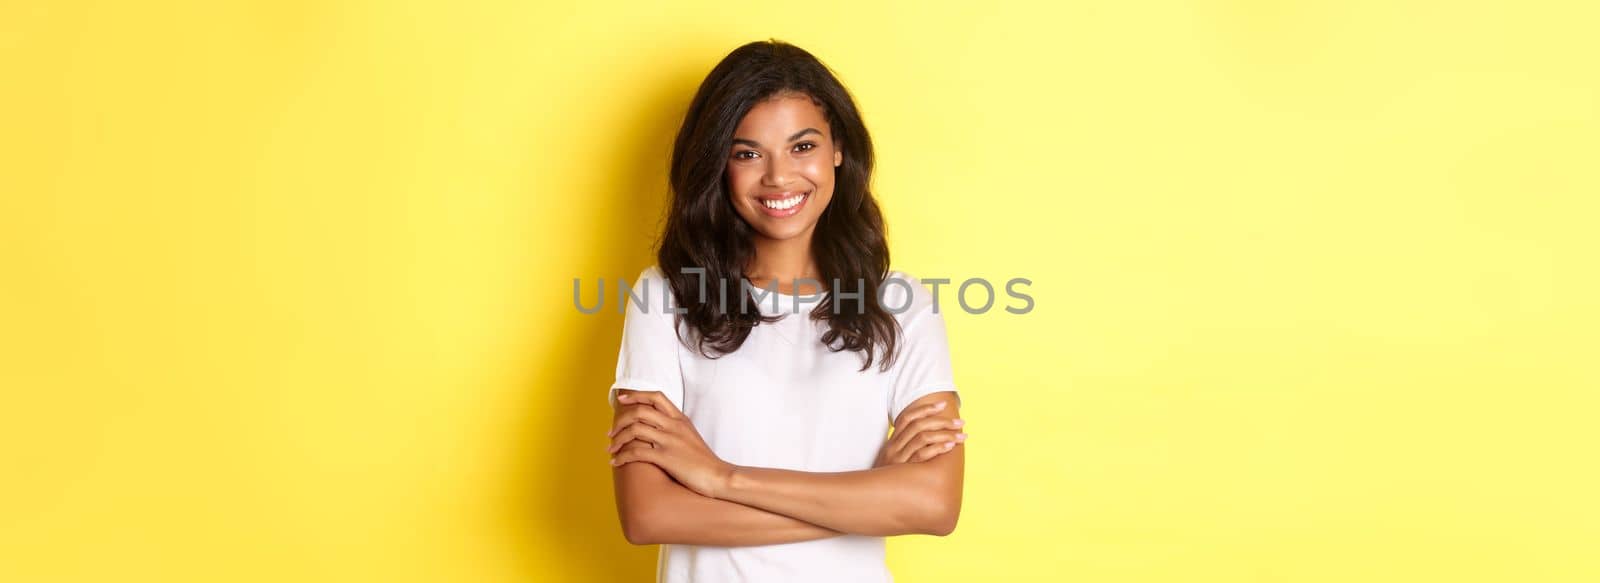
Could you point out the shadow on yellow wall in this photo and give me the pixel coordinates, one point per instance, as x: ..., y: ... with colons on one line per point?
x: 569, y: 493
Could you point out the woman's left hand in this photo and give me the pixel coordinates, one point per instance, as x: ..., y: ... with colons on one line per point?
x: 676, y: 448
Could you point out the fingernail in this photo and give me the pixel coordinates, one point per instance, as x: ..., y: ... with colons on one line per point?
x: 949, y: 444
x: 961, y: 437
x: 613, y: 461
x: 959, y: 422
x: 940, y: 406
x: 623, y: 397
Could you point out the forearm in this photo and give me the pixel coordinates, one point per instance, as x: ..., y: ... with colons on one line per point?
x: 883, y: 501
x: 658, y: 510
x: 903, y: 498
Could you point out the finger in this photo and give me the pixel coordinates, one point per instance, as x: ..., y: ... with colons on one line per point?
x: 637, y: 443
x: 634, y: 454
x: 654, y: 399
x: 901, y: 426
x: 636, y: 431
x: 638, y: 413
x: 632, y: 396
x: 924, y: 439
x: 934, y: 424
x: 918, y: 413
x: 919, y: 426
x: 901, y: 446
x: 624, y: 437
x: 932, y: 451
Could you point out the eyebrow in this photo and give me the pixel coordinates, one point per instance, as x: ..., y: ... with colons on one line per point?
x: 796, y: 136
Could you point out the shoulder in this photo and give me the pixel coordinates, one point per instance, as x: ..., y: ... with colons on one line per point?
x: 652, y: 274
x: 654, y: 278
x: 649, y: 293
x: 905, y: 296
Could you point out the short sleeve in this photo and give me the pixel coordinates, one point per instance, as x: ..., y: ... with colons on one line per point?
x: 648, y: 357
x: 923, y: 364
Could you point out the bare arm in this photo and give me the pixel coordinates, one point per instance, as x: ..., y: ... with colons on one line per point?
x: 906, y: 498
x: 655, y: 509
x: 914, y: 498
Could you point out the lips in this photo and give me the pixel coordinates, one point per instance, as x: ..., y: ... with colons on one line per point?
x: 783, y: 204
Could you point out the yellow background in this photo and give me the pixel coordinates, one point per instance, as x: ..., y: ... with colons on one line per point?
x: 287, y: 285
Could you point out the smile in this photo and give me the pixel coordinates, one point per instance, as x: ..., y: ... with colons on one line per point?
x: 783, y: 206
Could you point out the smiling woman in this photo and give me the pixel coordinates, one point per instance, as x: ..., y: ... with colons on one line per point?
x: 749, y: 439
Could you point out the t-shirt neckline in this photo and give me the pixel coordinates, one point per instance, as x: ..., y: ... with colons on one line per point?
x: 805, y: 298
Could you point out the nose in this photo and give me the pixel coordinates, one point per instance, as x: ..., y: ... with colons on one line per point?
x: 779, y: 173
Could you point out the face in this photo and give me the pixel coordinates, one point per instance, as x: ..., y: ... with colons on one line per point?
x: 781, y: 167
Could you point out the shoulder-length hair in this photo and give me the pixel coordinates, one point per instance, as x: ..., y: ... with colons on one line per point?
x: 704, y: 231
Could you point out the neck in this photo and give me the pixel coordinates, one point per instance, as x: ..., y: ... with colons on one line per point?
x: 785, y: 261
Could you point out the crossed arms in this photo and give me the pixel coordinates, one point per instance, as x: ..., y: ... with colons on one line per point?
x: 671, y: 489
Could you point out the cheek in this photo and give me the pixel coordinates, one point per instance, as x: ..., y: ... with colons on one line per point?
x: 741, y: 181
x: 820, y: 171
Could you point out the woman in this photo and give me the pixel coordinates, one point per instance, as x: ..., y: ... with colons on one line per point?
x: 749, y: 434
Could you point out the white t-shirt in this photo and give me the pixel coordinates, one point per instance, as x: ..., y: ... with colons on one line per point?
x: 783, y: 400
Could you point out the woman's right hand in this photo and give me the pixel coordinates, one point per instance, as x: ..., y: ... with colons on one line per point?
x: 921, y: 434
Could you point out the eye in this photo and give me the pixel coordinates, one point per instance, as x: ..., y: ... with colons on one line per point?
x: 740, y: 155
x: 808, y: 146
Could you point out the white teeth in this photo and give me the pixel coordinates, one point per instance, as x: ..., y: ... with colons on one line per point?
x: 785, y: 203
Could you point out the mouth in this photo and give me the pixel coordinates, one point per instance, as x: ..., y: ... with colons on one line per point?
x: 784, y: 204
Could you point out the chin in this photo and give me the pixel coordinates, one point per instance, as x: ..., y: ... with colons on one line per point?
x: 783, y: 232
